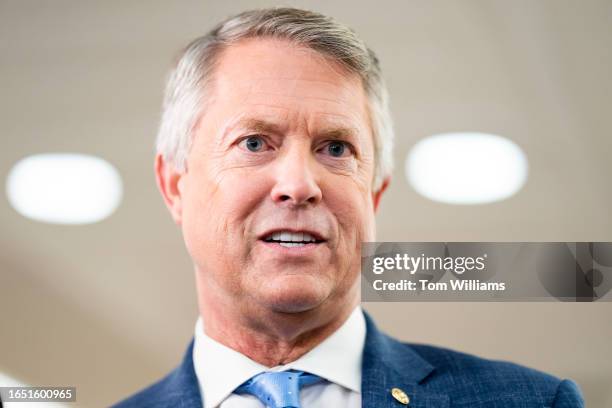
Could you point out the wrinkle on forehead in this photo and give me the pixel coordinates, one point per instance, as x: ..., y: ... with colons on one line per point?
x: 269, y: 91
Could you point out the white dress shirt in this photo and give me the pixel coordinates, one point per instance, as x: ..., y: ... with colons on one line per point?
x: 220, y: 369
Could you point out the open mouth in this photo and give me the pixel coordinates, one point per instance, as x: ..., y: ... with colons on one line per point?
x: 289, y: 239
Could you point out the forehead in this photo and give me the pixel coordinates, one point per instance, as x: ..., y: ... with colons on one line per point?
x: 283, y: 78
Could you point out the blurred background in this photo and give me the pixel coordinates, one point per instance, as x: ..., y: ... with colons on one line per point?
x: 110, y: 306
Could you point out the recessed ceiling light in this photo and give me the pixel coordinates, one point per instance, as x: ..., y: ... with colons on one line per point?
x: 466, y: 168
x: 64, y: 188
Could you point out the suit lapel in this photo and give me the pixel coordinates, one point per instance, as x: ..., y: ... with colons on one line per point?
x: 180, y: 388
x: 389, y: 364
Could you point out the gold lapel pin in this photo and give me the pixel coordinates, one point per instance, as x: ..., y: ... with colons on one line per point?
x: 400, y: 396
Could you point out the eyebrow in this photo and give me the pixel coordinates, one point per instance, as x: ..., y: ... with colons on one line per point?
x: 339, y: 133
x: 264, y: 126
x: 258, y: 125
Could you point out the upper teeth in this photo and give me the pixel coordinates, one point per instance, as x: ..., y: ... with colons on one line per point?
x: 291, y: 237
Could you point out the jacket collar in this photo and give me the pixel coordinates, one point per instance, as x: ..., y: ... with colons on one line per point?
x: 180, y: 388
x: 389, y: 364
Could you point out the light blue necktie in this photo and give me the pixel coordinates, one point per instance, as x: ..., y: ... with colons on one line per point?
x: 278, y: 389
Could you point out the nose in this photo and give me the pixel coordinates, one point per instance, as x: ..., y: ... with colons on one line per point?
x: 295, y: 179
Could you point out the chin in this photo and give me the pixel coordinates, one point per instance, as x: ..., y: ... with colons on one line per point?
x: 294, y: 294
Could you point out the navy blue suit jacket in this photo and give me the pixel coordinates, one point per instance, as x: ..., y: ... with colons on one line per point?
x: 432, y: 377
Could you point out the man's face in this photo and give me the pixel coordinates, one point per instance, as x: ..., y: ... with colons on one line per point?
x: 277, y: 194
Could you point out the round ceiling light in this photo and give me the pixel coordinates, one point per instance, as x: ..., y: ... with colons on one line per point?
x: 64, y: 188
x: 466, y: 168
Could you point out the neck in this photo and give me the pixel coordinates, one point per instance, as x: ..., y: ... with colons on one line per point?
x: 269, y: 337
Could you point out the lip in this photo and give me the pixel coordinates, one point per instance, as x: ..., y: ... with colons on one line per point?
x: 318, y: 236
x: 304, y: 250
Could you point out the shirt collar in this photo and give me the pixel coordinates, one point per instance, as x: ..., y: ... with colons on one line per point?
x: 338, y: 358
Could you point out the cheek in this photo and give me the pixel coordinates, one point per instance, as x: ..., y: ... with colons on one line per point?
x: 217, y: 208
x: 197, y: 227
x: 354, y: 211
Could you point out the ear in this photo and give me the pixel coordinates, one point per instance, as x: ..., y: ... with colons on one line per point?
x: 170, y: 186
x: 376, y: 195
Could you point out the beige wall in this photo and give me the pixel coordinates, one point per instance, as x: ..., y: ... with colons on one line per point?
x: 110, y: 307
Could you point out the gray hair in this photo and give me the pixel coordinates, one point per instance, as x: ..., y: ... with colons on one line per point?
x: 186, y: 87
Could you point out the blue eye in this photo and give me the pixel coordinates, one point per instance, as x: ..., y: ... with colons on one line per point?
x: 254, y: 143
x: 336, y: 149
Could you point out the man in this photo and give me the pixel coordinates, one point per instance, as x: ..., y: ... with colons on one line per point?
x: 273, y: 153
